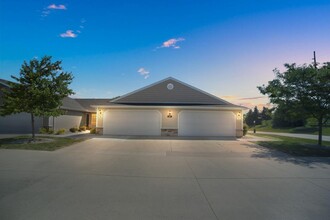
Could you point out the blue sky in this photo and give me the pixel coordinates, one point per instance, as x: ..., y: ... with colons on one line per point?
x: 226, y: 48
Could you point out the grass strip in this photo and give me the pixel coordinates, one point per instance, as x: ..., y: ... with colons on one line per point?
x: 296, y: 146
x: 42, y: 143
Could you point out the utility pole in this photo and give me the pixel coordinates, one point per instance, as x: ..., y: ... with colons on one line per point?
x: 314, y: 59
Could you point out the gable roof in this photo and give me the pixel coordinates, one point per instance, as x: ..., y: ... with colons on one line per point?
x: 87, y: 103
x: 71, y: 104
x: 4, y: 85
x: 4, y: 82
x: 181, y: 94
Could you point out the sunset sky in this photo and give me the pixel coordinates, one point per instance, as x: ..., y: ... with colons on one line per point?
x: 226, y: 48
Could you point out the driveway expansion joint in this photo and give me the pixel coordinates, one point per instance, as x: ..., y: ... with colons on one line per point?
x: 201, y: 189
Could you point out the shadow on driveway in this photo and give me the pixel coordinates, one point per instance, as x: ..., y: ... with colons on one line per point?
x: 283, y: 157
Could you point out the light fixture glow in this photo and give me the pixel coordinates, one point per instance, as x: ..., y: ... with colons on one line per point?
x: 169, y: 114
x: 99, y: 113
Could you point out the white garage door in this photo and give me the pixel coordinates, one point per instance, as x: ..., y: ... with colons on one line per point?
x: 206, y: 123
x: 132, y: 122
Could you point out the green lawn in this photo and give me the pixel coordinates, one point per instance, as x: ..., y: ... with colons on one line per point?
x: 301, y: 130
x: 53, y: 143
x: 296, y: 146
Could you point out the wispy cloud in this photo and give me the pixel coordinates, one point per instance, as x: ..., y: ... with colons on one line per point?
x: 171, y: 43
x: 253, y: 98
x: 69, y: 33
x: 72, y: 32
x: 143, y: 72
x: 229, y: 97
x: 251, y: 105
x: 249, y: 102
x: 233, y: 97
x: 82, y: 23
x: 46, y: 11
x: 57, y: 7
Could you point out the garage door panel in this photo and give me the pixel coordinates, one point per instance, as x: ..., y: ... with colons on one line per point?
x: 132, y: 122
x: 206, y: 123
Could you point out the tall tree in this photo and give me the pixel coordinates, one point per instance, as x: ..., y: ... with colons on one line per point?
x: 38, y: 90
x: 306, y: 89
x: 256, y: 116
x: 249, y: 118
x: 266, y: 113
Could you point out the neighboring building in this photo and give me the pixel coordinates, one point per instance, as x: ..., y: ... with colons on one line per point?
x: 166, y: 108
x: 16, y: 123
x: 74, y: 116
x: 170, y: 107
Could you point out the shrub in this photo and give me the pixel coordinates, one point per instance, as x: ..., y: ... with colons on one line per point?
x: 82, y: 128
x: 311, y: 122
x: 266, y: 123
x: 73, y: 129
x: 245, y: 129
x: 46, y: 131
x: 60, y: 131
x: 43, y: 131
x: 93, y: 131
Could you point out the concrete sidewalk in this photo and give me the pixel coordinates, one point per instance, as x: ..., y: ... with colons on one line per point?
x: 306, y: 136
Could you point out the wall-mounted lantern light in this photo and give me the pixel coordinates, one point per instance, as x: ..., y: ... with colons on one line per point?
x: 169, y: 114
x: 100, y: 113
x: 239, y: 115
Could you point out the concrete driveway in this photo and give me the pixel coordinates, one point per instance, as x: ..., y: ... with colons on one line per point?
x: 106, y: 178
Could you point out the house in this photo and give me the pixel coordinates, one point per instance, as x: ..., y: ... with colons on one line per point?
x: 166, y: 108
x: 169, y: 108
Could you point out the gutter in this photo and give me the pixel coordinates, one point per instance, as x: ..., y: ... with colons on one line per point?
x: 172, y: 107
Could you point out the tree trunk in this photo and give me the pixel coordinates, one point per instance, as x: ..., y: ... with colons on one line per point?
x: 32, y: 123
x: 320, y: 124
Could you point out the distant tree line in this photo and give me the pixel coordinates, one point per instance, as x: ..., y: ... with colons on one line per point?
x: 255, y: 117
x: 279, y: 117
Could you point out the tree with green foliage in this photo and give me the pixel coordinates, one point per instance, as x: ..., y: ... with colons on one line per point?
x: 304, y: 89
x: 249, y: 118
x: 266, y: 114
x: 256, y: 116
x: 283, y: 117
x: 39, y: 90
